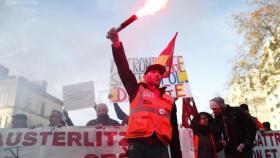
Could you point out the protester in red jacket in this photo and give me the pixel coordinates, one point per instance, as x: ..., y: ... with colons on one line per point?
x: 151, y: 120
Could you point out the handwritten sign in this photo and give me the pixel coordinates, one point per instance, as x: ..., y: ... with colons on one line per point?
x: 177, y: 84
x: 78, y: 96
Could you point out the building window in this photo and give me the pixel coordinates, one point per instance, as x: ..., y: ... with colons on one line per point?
x: 6, y: 122
x: 278, y: 105
x: 42, y: 108
x: 37, y: 109
x: 1, y: 99
x: 271, y: 109
x: 28, y: 104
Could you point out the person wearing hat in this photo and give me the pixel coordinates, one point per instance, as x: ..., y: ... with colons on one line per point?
x: 152, y: 122
x: 266, y: 126
x: 19, y: 121
x: 237, y: 127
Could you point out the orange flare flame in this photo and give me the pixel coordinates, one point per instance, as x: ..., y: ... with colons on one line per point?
x: 151, y: 7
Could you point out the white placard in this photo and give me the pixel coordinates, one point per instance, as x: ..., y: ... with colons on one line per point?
x: 78, y: 96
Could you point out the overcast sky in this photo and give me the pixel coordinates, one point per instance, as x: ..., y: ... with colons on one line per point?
x: 63, y: 42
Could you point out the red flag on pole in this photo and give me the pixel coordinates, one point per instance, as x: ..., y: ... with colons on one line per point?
x: 189, y: 111
x: 166, y: 56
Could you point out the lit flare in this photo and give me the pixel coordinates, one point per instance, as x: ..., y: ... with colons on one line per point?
x: 150, y: 8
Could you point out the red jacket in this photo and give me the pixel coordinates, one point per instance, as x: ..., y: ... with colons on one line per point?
x: 130, y: 83
x: 150, y: 113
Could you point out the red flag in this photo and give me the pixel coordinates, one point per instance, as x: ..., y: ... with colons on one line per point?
x: 189, y: 111
x: 166, y: 56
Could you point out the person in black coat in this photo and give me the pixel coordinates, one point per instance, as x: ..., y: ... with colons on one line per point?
x: 237, y: 127
x: 103, y: 118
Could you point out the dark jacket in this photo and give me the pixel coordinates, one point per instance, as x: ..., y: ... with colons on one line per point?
x: 206, y: 138
x: 69, y: 122
x: 105, y: 120
x: 121, y: 114
x: 131, y: 85
x: 237, y: 127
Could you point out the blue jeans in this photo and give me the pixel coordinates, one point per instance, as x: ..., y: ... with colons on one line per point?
x: 144, y: 149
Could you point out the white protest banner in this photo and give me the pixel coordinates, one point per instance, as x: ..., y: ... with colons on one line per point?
x: 186, y: 142
x: 78, y: 96
x: 267, y: 145
x: 177, y: 84
x: 108, y: 142
x: 73, y: 142
x: 65, y: 142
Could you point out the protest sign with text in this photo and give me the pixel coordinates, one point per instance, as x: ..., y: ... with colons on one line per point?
x: 267, y: 145
x: 177, y: 84
x: 73, y: 142
x: 78, y: 96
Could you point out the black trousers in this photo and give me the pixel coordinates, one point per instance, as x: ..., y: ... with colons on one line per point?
x: 147, y: 148
x: 237, y: 154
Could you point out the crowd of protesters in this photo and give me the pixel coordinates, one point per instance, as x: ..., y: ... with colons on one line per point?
x: 152, y: 124
x: 231, y: 129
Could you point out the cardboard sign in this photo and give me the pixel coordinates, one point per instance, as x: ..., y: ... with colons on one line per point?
x: 78, y: 96
x: 177, y: 84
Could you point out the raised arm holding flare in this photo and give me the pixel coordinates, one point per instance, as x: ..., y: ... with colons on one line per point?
x: 152, y: 120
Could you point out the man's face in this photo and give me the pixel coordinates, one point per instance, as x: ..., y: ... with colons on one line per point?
x: 153, y: 77
x: 55, y: 118
x: 216, y: 108
x: 101, y: 109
